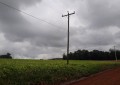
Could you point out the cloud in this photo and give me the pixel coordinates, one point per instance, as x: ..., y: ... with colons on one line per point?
x: 103, y: 13
x: 22, y: 36
x: 19, y: 3
x: 14, y: 26
x: 94, y: 26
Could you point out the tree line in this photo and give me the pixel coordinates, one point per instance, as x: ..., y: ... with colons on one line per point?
x: 7, y: 56
x: 93, y: 55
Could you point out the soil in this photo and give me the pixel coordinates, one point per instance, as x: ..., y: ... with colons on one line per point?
x: 109, y: 77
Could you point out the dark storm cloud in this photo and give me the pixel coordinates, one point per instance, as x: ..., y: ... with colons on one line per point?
x: 18, y: 3
x: 17, y: 29
x: 92, y: 38
x: 14, y: 26
x: 103, y: 13
x: 99, y: 16
x: 30, y: 38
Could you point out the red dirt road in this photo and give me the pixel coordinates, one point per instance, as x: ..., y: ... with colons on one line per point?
x: 110, y: 77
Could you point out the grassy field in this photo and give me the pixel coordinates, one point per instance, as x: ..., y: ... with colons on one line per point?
x: 25, y: 72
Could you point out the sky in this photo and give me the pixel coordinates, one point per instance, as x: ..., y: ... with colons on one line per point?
x: 95, y: 25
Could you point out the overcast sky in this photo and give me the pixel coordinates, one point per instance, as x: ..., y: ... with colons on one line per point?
x: 96, y: 25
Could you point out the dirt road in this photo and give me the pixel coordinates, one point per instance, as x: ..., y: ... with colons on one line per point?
x: 110, y: 77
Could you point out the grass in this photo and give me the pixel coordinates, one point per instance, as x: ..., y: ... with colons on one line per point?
x: 25, y: 72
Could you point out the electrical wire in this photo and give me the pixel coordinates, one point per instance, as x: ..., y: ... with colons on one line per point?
x: 28, y: 14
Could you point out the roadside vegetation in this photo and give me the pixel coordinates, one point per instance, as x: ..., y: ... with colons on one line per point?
x: 48, y: 72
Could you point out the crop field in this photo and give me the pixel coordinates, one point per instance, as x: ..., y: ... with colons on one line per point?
x: 48, y: 72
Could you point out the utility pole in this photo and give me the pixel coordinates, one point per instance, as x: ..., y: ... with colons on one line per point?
x: 115, y: 53
x: 68, y: 15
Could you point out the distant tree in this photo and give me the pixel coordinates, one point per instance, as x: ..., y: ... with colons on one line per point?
x: 112, y: 54
x: 8, y: 56
x: 93, y: 55
x: 64, y: 57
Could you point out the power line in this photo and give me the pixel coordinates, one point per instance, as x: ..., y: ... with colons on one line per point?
x: 28, y: 14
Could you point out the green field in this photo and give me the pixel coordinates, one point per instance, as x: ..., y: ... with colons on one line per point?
x: 25, y: 72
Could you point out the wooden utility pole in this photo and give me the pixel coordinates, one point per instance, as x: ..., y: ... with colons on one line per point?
x: 68, y: 15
